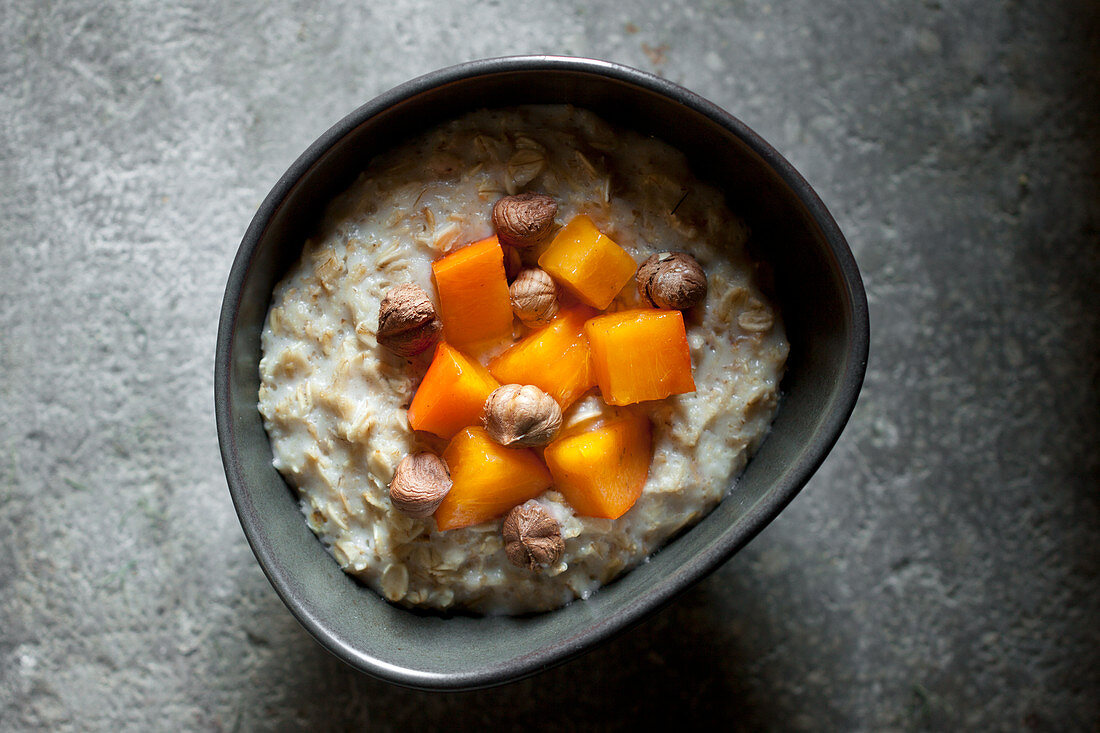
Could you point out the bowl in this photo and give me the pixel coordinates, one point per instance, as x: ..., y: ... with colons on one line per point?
x: 817, y: 288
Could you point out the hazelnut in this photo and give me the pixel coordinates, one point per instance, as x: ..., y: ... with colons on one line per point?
x: 407, y: 323
x: 419, y: 484
x: 534, y: 297
x: 518, y: 414
x: 531, y: 536
x: 525, y: 219
x: 671, y: 280
x: 512, y: 262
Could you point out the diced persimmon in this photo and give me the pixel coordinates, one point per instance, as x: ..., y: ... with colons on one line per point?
x: 452, y: 393
x: 640, y: 355
x: 473, y: 295
x: 489, y: 479
x: 601, y: 472
x: 555, y: 358
x: 588, y: 263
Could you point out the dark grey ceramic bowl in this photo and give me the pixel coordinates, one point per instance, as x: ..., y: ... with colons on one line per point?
x: 816, y: 283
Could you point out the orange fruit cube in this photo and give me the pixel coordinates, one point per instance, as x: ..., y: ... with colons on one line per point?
x: 601, y: 472
x: 555, y: 358
x: 588, y: 263
x: 452, y: 393
x: 640, y: 355
x: 488, y: 479
x: 474, y: 305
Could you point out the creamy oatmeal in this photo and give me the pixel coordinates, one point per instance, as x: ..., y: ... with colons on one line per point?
x: 335, y: 403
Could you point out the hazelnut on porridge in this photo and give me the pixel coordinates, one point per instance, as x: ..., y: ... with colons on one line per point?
x: 523, y: 351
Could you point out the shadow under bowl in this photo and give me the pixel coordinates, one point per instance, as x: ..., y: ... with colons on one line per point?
x: 817, y: 288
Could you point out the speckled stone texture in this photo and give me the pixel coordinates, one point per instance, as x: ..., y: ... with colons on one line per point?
x: 940, y: 571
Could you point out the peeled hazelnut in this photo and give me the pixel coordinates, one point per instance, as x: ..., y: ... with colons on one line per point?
x: 534, y: 297
x: 407, y: 323
x: 671, y: 280
x: 525, y: 219
x: 419, y: 484
x: 532, y: 537
x: 518, y: 414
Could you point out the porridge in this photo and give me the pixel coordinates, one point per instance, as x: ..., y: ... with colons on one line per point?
x: 481, y: 399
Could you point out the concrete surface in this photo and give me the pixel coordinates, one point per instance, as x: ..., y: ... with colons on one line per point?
x: 940, y: 572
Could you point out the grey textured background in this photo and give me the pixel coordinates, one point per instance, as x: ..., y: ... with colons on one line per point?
x: 940, y: 571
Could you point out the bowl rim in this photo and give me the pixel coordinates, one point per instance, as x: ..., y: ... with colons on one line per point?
x: 667, y: 589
